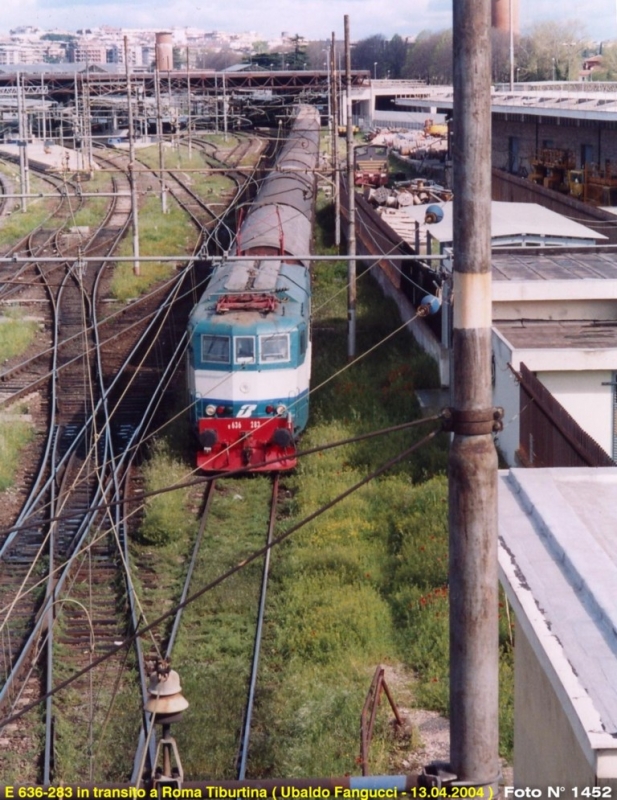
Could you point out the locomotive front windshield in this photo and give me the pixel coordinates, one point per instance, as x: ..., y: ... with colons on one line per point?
x: 245, y: 349
x: 274, y: 348
x: 215, y: 349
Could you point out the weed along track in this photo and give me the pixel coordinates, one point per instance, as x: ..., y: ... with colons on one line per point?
x: 66, y: 590
x: 213, y: 643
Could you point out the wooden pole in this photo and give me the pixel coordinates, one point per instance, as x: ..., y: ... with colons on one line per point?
x: 188, y: 97
x: 22, y: 133
x: 335, y: 159
x: 474, y: 650
x: 351, y: 207
x: 159, y: 136
x: 132, y: 178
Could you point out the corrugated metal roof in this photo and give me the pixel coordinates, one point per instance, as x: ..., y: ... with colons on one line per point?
x: 507, y: 220
x: 540, y: 266
x: 541, y: 334
x: 589, y: 100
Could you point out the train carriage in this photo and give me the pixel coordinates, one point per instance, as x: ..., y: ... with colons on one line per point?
x: 371, y: 165
x: 250, y: 345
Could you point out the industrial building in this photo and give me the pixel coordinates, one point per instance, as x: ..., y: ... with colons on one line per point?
x: 558, y: 565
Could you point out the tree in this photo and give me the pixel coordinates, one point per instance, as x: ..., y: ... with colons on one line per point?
x: 367, y: 52
x: 430, y: 58
x: 553, y: 51
x: 217, y: 59
x: 607, y: 71
x: 500, y: 55
x: 179, y: 58
x: 396, y: 56
x: 58, y: 37
x: 379, y: 56
x: 297, y: 59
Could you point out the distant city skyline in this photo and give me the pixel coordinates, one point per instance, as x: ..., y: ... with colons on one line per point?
x: 313, y: 19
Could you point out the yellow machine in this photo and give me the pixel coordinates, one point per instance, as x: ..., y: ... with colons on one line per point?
x: 576, y: 182
x: 556, y: 169
x: 435, y: 128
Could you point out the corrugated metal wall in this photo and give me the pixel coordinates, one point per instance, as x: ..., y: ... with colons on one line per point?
x: 549, y: 436
x: 512, y: 189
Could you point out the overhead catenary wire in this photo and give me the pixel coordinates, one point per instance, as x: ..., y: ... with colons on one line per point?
x: 347, y: 366
x: 363, y: 354
x: 195, y: 481
x: 224, y: 576
x: 333, y: 376
x: 313, y: 389
x: 330, y: 378
x: 203, y: 479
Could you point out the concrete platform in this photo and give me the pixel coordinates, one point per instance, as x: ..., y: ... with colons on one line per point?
x: 53, y: 158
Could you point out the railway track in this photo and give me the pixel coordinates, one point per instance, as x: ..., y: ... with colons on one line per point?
x: 61, y: 588
x: 233, y: 733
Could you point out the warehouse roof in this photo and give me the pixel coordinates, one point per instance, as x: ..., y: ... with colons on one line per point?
x: 528, y: 222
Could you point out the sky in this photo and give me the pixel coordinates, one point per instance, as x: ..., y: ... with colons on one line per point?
x: 313, y: 19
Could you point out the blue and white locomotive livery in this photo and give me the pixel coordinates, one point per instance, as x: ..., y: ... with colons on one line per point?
x: 249, y: 335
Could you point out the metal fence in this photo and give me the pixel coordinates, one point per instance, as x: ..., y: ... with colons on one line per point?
x: 549, y: 436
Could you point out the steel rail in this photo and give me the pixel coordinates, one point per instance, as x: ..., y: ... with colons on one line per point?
x: 40, y: 498
x: 56, y: 369
x: 111, y: 491
x: 248, y: 714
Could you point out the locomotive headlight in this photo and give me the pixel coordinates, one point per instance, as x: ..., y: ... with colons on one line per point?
x: 281, y: 410
x: 210, y: 410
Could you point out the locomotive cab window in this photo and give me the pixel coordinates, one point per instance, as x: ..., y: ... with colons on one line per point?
x: 274, y: 348
x: 244, y: 347
x: 215, y: 349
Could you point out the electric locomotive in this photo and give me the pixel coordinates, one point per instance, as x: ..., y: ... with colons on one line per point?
x: 249, y: 335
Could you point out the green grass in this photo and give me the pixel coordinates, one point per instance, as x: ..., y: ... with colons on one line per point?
x: 364, y: 584
x: 367, y: 582
x: 96, y: 723
x: 16, y: 333
x: 165, y: 518
x: 19, y: 223
x: 198, y: 174
x: 93, y: 209
x: 159, y: 235
x: 214, y: 649
x: 14, y: 436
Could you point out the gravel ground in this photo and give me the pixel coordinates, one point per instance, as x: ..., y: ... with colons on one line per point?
x: 432, y: 734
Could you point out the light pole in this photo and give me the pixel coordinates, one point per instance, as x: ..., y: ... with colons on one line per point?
x: 375, y: 70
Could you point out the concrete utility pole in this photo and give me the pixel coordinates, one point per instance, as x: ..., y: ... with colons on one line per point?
x: 132, y: 178
x: 351, y: 206
x: 473, y: 459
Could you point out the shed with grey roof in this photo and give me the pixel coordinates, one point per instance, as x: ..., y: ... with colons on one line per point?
x: 558, y: 565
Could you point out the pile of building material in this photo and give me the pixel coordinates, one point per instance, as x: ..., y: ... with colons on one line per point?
x: 407, y: 193
x: 431, y: 142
